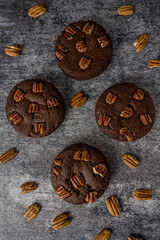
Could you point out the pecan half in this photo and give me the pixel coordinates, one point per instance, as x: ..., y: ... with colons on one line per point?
x: 91, y: 197
x: 142, y: 194
x: 124, y: 131
x: 84, y: 63
x: 62, y: 192
x: 104, y: 235
x: 139, y: 95
x: 113, y: 206
x: 85, y: 156
x: 77, y: 181
x: 100, y: 169
x: 61, y: 52
x: 125, y: 10
x: 33, y: 108
x: 37, y: 87
x: 133, y: 238
x: 18, y: 96
x: 81, y: 47
x: 61, y: 221
x: 32, y: 211
x: 58, y: 162
x: 37, y: 10
x: 88, y: 28
x: 15, y: 118
x: 56, y: 170
x: 127, y: 113
x: 103, y: 41
x: 129, y: 137
x: 141, y: 42
x: 78, y: 100
x: 153, y: 63
x: 130, y: 161
x: 13, y: 51
x: 77, y: 155
x: 146, y: 118
x: 70, y: 32
x: 8, y: 156
x: 39, y: 128
x: 52, y: 102
x: 28, y: 187
x: 110, y: 98
x: 104, y: 120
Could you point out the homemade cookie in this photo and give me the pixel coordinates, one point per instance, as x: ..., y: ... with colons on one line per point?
x: 80, y: 174
x: 35, y: 108
x: 83, y: 50
x: 125, y: 112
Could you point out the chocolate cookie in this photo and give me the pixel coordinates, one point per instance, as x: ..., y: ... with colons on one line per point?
x: 125, y: 112
x: 80, y: 174
x: 83, y: 50
x: 35, y: 108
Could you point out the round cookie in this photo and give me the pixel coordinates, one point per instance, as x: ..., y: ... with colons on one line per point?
x: 80, y: 174
x: 83, y: 50
x: 35, y: 108
x: 125, y: 112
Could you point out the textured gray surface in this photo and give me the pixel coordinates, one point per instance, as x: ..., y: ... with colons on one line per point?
x: 36, y: 38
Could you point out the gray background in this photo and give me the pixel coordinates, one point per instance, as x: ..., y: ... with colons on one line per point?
x: 36, y: 37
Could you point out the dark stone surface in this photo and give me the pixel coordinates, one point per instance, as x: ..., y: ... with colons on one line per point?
x: 37, y: 37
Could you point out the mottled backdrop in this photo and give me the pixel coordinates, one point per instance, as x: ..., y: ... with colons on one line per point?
x: 36, y: 37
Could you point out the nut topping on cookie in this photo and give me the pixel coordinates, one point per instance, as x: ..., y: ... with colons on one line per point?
x: 103, y: 41
x: 70, y: 32
x: 52, y: 102
x: 146, y: 119
x: 15, y: 118
x: 100, y: 169
x: 62, y: 192
x: 18, y: 96
x: 77, y: 181
x: 33, y: 108
x: 60, y: 54
x: 81, y: 47
x: 85, y: 156
x: 37, y: 87
x: 127, y: 113
x: 58, y: 162
x: 139, y: 94
x: 91, y: 197
x: 39, y: 128
x: 88, y: 28
x: 56, y: 170
x: 124, y: 131
x: 84, y: 63
x: 110, y: 98
x: 104, y: 120
x: 129, y: 137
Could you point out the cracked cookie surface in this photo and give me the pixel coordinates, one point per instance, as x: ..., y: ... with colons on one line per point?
x: 35, y: 108
x: 76, y: 180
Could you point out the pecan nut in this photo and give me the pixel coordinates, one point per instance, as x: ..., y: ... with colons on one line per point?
x: 15, y: 118
x: 104, y: 120
x: 142, y: 194
x: 62, y: 192
x: 82, y: 155
x: 78, y: 100
x: 139, y: 95
x: 130, y: 161
x: 61, y: 52
x: 146, y: 119
x: 81, y: 47
x: 52, y: 102
x: 32, y: 211
x: 103, y: 41
x: 127, y: 113
x: 58, y: 162
x: 70, y: 32
x: 153, y: 63
x: 133, y: 238
x: 124, y: 131
x: 141, y: 42
x: 88, y: 28
x: 39, y: 128
x: 28, y: 187
x: 37, y: 10
x: 61, y: 221
x: 84, y: 63
x: 18, y: 96
x: 103, y: 235
x: 77, y: 155
x: 113, y: 206
x: 91, y: 197
x: 100, y: 169
x: 13, y: 51
x: 125, y: 10
x: 8, y: 156
x: 33, y: 108
x: 77, y: 181
x: 37, y: 87
x: 56, y: 170
x: 110, y: 98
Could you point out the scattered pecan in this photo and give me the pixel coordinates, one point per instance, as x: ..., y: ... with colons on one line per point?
x: 70, y: 32
x: 125, y: 10
x: 33, y: 108
x: 28, y: 187
x: 62, y: 192
x: 103, y: 41
x: 85, y: 156
x: 58, y: 162
x: 130, y: 161
x: 91, y: 197
x: 15, y: 118
x: 9, y: 155
x: 142, y: 194
x: 61, y: 221
x: 113, y: 206
x: 100, y: 169
x: 110, y: 98
x: 13, y: 51
x: 18, y: 96
x: 32, y: 211
x: 104, y: 120
x: 81, y: 47
x: 60, y: 54
x: 104, y: 235
x: 37, y: 87
x: 39, y: 128
x: 88, y: 28
x: 52, y: 102
x: 84, y: 63
x: 146, y: 119
x: 78, y: 100
x: 37, y: 10
x: 127, y: 113
x: 77, y: 181
x: 56, y: 170
x: 153, y: 63
x: 139, y: 95
x: 133, y: 238
x: 141, y: 42
x: 124, y: 131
